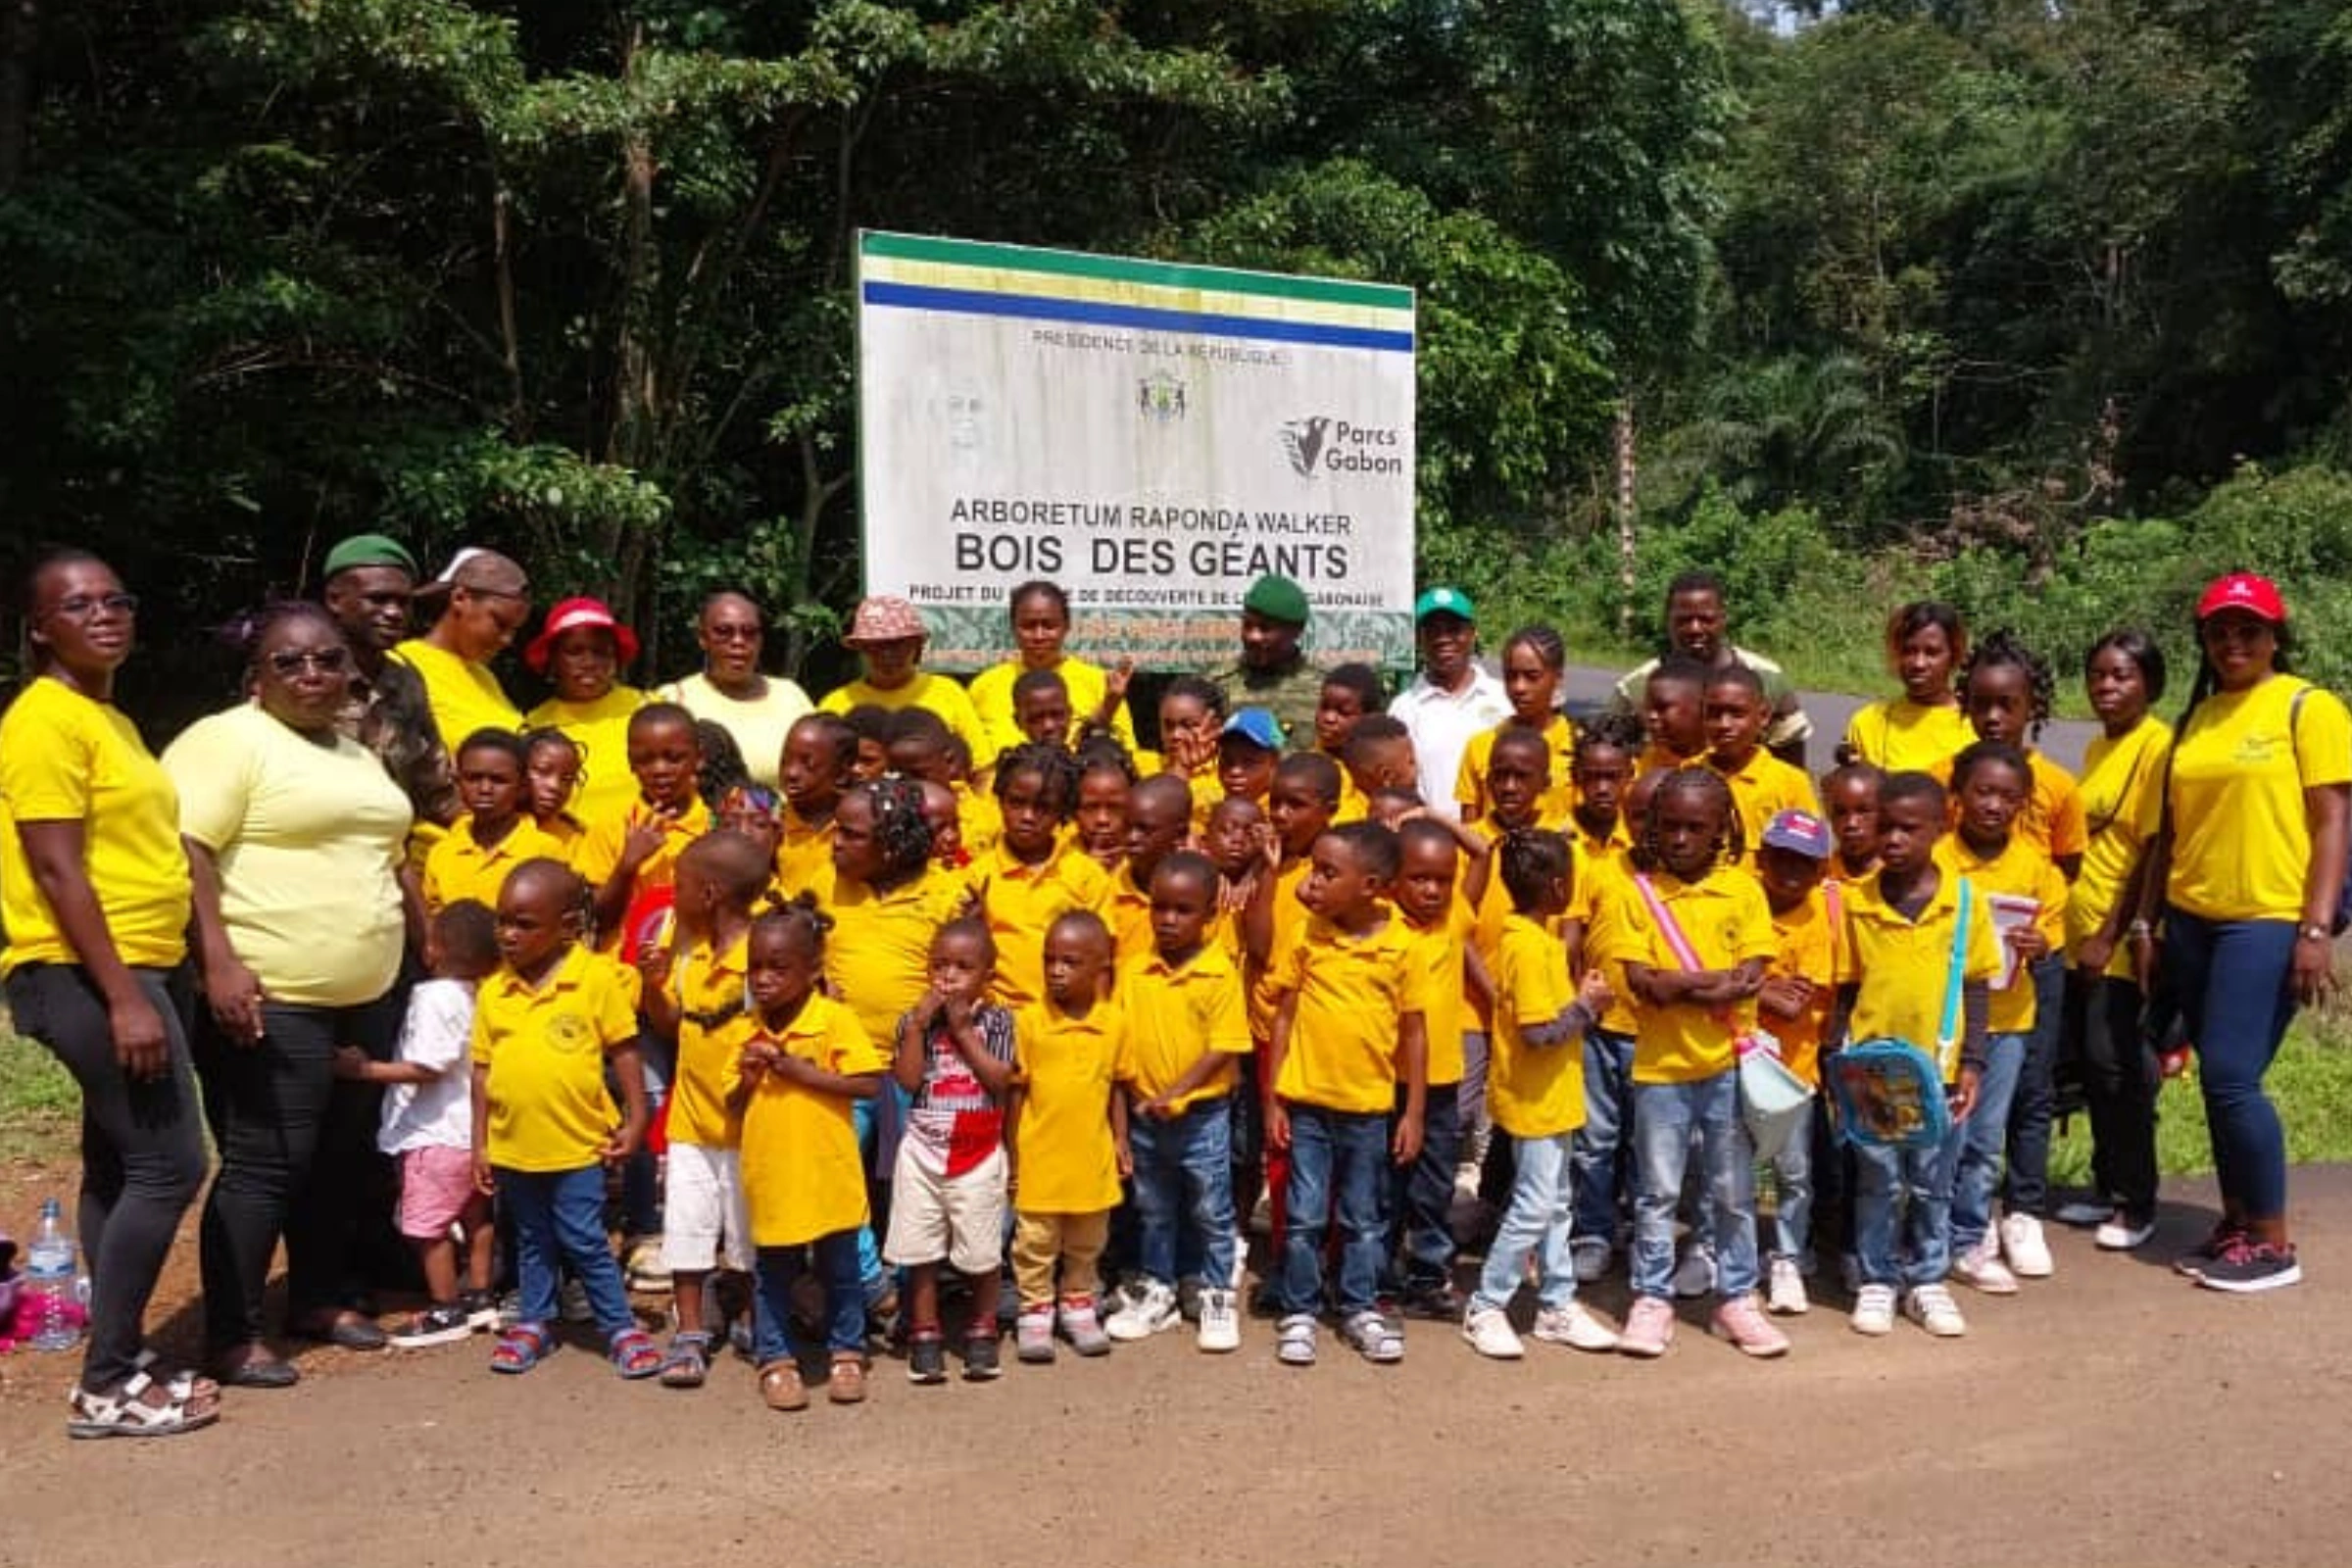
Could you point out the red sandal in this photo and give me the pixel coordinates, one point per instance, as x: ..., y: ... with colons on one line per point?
x: 522, y: 1348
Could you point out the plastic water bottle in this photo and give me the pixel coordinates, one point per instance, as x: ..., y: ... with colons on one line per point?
x: 49, y: 1280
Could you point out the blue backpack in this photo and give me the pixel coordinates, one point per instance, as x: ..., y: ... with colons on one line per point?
x: 1891, y: 1092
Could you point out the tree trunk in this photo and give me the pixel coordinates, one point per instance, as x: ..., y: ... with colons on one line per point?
x: 636, y: 393
x: 1626, y: 475
x: 20, y: 32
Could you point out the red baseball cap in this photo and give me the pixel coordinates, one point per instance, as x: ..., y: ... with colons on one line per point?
x: 571, y: 615
x: 2242, y: 590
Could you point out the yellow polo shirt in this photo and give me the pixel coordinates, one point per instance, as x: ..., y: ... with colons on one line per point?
x: 1442, y: 947
x: 1727, y: 922
x: 545, y: 1048
x: 1353, y: 992
x: 1559, y: 796
x: 991, y: 697
x: 600, y: 729
x: 2021, y: 870
x: 65, y: 757
x: 1021, y: 901
x: 1597, y: 900
x: 2054, y: 814
x: 457, y: 867
x: 804, y: 857
x: 1536, y: 1090
x: 1762, y: 789
x: 878, y: 954
x: 926, y: 690
x: 1901, y: 968
x: 1130, y: 915
x: 1289, y: 921
x: 1174, y: 1013
x: 2241, y: 844
x: 803, y: 1175
x: 1810, y: 947
x: 1901, y: 737
x: 1068, y: 1163
x: 979, y: 821
x: 598, y: 854
x: 714, y: 1023
x: 465, y: 696
x: 2123, y: 806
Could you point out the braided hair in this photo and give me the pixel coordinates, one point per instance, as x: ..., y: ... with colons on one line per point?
x: 2003, y: 650
x: 800, y: 919
x: 901, y: 833
x: 1545, y: 642
x: 1056, y: 767
x: 1731, y: 839
x: 1532, y: 861
x: 1609, y: 732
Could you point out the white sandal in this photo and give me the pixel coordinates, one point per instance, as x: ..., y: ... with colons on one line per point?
x: 126, y: 1414
x: 1295, y: 1340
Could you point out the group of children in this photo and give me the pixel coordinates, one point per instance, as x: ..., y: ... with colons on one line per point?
x: 909, y: 1021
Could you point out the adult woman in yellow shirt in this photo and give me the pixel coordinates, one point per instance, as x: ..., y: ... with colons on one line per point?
x: 888, y: 635
x: 295, y: 837
x: 1925, y: 727
x: 2251, y: 859
x: 582, y: 650
x: 94, y: 896
x: 1040, y: 627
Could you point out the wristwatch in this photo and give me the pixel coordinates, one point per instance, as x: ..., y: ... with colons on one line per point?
x: 2315, y: 933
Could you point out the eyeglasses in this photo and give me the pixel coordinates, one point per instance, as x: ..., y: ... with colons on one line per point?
x: 81, y: 606
x: 291, y: 661
x: 724, y: 633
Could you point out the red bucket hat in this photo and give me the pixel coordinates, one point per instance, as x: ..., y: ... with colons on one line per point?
x: 571, y: 615
x: 2242, y: 590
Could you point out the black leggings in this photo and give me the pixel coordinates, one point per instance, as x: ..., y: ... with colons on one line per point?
x: 2119, y: 1088
x: 142, y: 1147
x: 294, y: 1147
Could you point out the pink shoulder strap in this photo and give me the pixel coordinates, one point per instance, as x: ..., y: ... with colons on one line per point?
x: 1668, y: 926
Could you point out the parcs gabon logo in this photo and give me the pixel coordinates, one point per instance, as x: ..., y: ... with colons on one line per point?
x: 1336, y: 446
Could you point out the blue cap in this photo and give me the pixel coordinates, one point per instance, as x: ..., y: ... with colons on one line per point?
x: 1799, y: 833
x: 1443, y: 602
x: 1255, y: 724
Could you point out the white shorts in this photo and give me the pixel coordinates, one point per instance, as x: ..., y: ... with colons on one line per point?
x: 704, y: 1219
x: 960, y: 1219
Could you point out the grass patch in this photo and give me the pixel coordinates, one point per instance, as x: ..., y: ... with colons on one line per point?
x: 40, y: 1105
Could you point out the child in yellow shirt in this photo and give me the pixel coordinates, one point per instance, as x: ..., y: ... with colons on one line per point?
x: 821, y: 758
x: 1762, y: 785
x: 1535, y: 660
x: 630, y: 857
x: 495, y: 835
x: 1159, y: 817
x: 1300, y: 802
x: 1674, y: 714
x: 545, y: 1028
x: 1099, y: 812
x: 1421, y: 1195
x: 1066, y: 1134
x: 1351, y: 694
x: 1800, y: 989
x: 1037, y: 873
x: 552, y: 764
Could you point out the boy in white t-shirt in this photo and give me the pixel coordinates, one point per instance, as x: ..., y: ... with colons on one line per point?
x: 429, y: 1127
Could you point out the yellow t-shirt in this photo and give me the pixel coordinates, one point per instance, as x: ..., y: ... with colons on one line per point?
x: 991, y: 697
x: 1021, y: 902
x: 1810, y: 947
x: 805, y: 857
x: 457, y: 867
x: 310, y: 839
x: 1558, y: 798
x: 598, y: 855
x: 1762, y: 789
x: 878, y: 954
x: 1130, y: 915
x: 1536, y: 1090
x: 1174, y: 1013
x: 1290, y: 923
x: 936, y: 692
x: 1354, y: 805
x: 465, y: 696
x: 1598, y: 900
x: 979, y: 821
x: 1901, y: 736
x: 758, y: 725
x: 1442, y: 948
x: 600, y: 729
x: 1354, y: 992
x: 803, y: 1175
x: 1068, y: 1163
x: 2241, y: 844
x: 1727, y: 922
x: 1902, y: 969
x: 714, y: 1024
x: 65, y: 757
x: 2123, y: 806
x: 545, y: 1048
x: 2053, y: 819
x: 2021, y: 870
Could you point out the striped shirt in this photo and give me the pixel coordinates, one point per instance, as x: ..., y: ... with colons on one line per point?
x: 954, y: 1123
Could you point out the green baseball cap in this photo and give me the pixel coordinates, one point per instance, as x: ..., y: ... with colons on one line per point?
x: 1443, y: 602
x: 368, y: 550
x: 1277, y: 599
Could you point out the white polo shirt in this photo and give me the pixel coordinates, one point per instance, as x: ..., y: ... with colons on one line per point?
x: 1441, y: 722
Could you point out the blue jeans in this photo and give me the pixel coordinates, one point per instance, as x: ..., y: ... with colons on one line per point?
x: 1597, y: 1158
x: 1475, y: 1125
x: 1665, y: 1115
x: 1920, y: 1181
x: 2235, y: 984
x: 1184, y: 1191
x: 1978, y: 1170
x: 2027, y: 1187
x: 1793, y: 1196
x: 1421, y: 1195
x: 779, y: 1269
x: 1533, y: 1223
x: 560, y: 1220
x: 1339, y: 1170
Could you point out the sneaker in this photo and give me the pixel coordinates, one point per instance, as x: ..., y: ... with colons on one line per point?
x: 1433, y: 1304
x: 1033, y: 1335
x: 1786, y: 1295
x: 1649, y: 1328
x: 1371, y: 1334
x: 980, y: 1362
x: 1574, y: 1327
x: 1694, y: 1275
x: 927, y: 1359
x: 2121, y: 1233
x: 445, y: 1324
x: 481, y: 1310
x: 2082, y: 1214
x: 1490, y: 1335
x: 1874, y: 1310
x: 2029, y: 1255
x: 1980, y: 1266
x: 1590, y: 1259
x: 1932, y: 1309
x: 1295, y: 1340
x: 2193, y: 1262
x: 1082, y: 1327
x: 1150, y: 1307
x: 1220, y: 1328
x: 2248, y: 1267
x: 1744, y: 1323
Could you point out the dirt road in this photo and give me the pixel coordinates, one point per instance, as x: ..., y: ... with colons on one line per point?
x: 2112, y: 1415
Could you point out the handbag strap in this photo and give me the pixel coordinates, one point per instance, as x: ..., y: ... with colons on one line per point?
x: 1669, y: 927
x: 1949, y: 1028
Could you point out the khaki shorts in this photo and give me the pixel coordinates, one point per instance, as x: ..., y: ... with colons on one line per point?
x: 704, y: 1222
x: 958, y: 1220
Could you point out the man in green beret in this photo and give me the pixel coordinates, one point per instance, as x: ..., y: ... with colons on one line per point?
x: 368, y: 582
x: 1273, y: 672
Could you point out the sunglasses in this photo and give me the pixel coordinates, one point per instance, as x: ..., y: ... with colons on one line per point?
x: 81, y: 606
x: 291, y: 661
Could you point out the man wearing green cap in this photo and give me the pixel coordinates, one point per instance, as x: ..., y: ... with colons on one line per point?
x: 368, y: 583
x: 1452, y: 698
x: 1273, y: 672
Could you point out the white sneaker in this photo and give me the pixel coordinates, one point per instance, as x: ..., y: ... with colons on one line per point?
x: 1786, y: 1295
x: 1150, y: 1307
x: 1589, y: 1259
x: 1874, y: 1310
x: 1982, y: 1268
x: 2029, y: 1254
x: 1932, y: 1309
x: 1220, y: 1322
x: 1694, y: 1275
x: 1490, y: 1335
x: 2117, y: 1233
x: 1574, y: 1327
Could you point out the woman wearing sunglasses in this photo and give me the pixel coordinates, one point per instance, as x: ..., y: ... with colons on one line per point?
x: 294, y: 835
